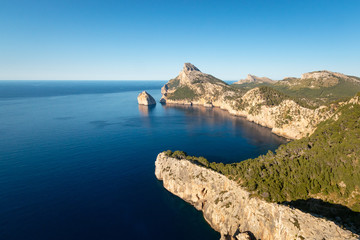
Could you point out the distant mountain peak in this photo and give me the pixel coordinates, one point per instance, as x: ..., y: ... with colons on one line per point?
x: 188, y: 67
x: 322, y: 74
x: 254, y: 79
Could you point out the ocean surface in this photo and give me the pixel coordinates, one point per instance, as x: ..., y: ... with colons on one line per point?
x: 77, y: 160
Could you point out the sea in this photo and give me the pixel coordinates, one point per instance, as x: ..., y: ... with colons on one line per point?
x: 77, y: 160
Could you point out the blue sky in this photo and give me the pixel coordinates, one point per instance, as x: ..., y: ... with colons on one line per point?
x: 126, y: 40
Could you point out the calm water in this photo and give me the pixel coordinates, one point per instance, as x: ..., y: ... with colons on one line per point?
x: 77, y: 160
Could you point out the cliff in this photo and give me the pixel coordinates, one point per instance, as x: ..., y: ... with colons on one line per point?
x: 262, y: 105
x: 230, y: 209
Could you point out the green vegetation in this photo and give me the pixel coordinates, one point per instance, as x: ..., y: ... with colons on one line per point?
x: 173, y: 83
x: 324, y: 165
x: 247, y: 86
x: 322, y: 95
x: 181, y: 93
x: 274, y: 97
x: 182, y: 155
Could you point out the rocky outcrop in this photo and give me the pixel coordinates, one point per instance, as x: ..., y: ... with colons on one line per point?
x: 231, y: 210
x: 254, y: 79
x: 286, y: 118
x: 145, y: 98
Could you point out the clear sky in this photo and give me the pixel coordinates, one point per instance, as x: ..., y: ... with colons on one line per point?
x: 151, y: 39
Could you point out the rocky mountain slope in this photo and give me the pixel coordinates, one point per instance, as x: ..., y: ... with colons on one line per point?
x: 285, y: 115
x: 232, y: 211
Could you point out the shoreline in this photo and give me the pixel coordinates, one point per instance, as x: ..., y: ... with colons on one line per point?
x: 288, y: 139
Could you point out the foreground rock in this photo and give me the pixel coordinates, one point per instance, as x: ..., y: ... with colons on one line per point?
x: 230, y: 210
x: 145, y: 98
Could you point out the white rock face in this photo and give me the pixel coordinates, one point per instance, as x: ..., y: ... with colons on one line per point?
x: 145, y: 98
x: 230, y: 210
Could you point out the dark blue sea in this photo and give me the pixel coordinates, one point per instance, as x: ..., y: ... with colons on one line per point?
x: 77, y: 160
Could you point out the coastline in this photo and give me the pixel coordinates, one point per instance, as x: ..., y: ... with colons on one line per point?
x: 214, y: 195
x: 288, y: 139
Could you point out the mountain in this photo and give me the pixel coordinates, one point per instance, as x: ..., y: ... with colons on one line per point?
x: 319, y: 79
x: 255, y: 79
x: 287, y: 116
x: 191, y: 84
x: 320, y: 87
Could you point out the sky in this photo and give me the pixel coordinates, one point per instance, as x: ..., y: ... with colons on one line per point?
x: 151, y: 40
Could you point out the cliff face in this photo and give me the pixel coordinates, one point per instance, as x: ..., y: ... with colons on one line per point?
x: 230, y: 210
x: 286, y: 118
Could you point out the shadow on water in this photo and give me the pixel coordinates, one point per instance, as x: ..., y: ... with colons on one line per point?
x: 253, y: 132
x: 339, y: 214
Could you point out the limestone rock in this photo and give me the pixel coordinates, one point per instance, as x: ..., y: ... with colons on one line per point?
x: 243, y: 236
x: 145, y: 98
x: 231, y: 210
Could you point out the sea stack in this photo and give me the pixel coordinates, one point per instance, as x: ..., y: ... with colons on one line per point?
x: 145, y: 98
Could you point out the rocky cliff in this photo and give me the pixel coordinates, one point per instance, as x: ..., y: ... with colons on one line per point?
x: 266, y: 107
x: 230, y: 209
